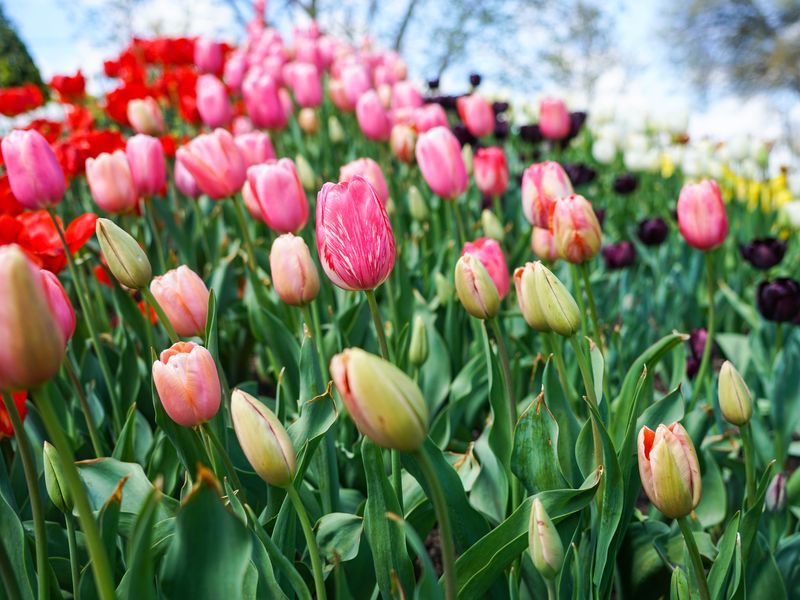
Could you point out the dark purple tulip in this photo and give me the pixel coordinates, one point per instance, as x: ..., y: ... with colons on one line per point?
x: 619, y: 255
x: 576, y: 121
x: 692, y: 366
x: 763, y: 253
x: 531, y: 134
x: 626, y: 183
x: 433, y: 84
x: 463, y: 135
x: 697, y: 345
x: 501, y: 129
x: 499, y: 107
x: 653, y: 232
x: 600, y: 213
x: 448, y: 102
x: 779, y: 300
x: 580, y: 173
x: 474, y: 79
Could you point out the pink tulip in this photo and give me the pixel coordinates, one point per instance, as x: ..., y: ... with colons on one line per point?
x: 286, y: 102
x: 59, y: 303
x: 402, y: 142
x: 338, y: 95
x: 187, y: 383
x: 208, y: 55
x: 145, y: 116
x: 702, y: 219
x: 148, y: 167
x: 111, y: 182
x: 293, y: 272
x: 251, y: 203
x: 405, y: 95
x: 280, y: 195
x: 235, y: 69
x: 576, y: 230
x: 554, y: 121
x: 429, y: 116
x: 489, y: 252
x: 184, y: 298
x: 242, y: 125
x: 491, y: 171
x: 306, y: 85
x: 34, y: 173
x: 369, y: 170
x: 213, y: 103
x: 439, y: 157
x: 372, y: 117
x: 255, y: 147
x: 477, y: 114
x: 184, y: 180
x: 355, y: 80
x: 543, y: 184
x: 215, y: 163
x: 543, y: 244
x: 354, y: 236
x: 263, y: 102
x: 307, y: 51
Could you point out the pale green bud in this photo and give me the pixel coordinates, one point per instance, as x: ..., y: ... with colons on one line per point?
x: 492, y: 226
x: 545, y: 302
x: 54, y: 479
x: 475, y: 288
x: 335, y: 131
x: 735, y: 400
x: 305, y: 173
x: 126, y: 259
x: 466, y: 154
x: 444, y: 288
x: 417, y: 205
x: 418, y: 347
x: 544, y: 543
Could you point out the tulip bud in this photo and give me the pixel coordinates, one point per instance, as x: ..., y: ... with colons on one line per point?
x: 126, y: 260
x: 489, y: 252
x: 467, y: 157
x: 59, y: 303
x: 735, y: 400
x: 308, y: 120
x: 418, y: 348
x: 439, y: 157
x: 293, y: 272
x: 305, y: 172
x: 543, y: 244
x: 544, y: 543
x: 402, y: 141
x: 145, y: 116
x: 263, y: 439
x: 335, y: 131
x: 444, y: 288
x: 475, y: 288
x: 492, y: 226
x: 545, y: 302
x: 54, y: 482
x: 776, y: 498
x: 669, y: 469
x: 477, y: 114
x: 384, y: 403
x: 184, y: 298
x: 576, y: 230
x: 280, y: 195
x: 417, y: 205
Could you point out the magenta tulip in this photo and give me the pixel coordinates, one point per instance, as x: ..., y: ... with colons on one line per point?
x: 280, y: 195
x: 34, y: 173
x: 263, y: 101
x: 306, y: 85
x: 208, y: 55
x: 439, y: 157
x: 148, y: 167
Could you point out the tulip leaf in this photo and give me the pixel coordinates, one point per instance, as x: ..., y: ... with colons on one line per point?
x: 15, y: 547
x: 137, y: 583
x: 711, y: 510
x: 722, y: 563
x: 679, y: 586
x: 534, y: 458
x: 428, y: 585
x: 568, y: 426
x: 339, y: 537
x: 435, y: 373
x: 126, y: 440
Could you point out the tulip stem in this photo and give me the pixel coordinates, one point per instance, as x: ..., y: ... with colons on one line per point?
x: 445, y: 530
x: 694, y: 555
x: 32, y: 481
x: 592, y: 308
x: 94, y: 436
x: 248, y: 243
x: 97, y: 550
x: 558, y: 355
x: 151, y: 220
x: 591, y: 397
x: 462, y: 232
x: 376, y: 320
x: 749, y: 466
x: 701, y: 373
x: 74, y: 567
x: 551, y: 589
x: 506, y: 370
x: 313, y: 327
x: 226, y: 459
x: 579, y: 297
x: 162, y: 316
x: 311, y: 542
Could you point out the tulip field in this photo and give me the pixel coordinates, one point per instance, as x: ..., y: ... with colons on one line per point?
x: 279, y: 321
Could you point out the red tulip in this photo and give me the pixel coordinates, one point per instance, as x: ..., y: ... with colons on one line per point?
x: 477, y: 114
x: 491, y: 171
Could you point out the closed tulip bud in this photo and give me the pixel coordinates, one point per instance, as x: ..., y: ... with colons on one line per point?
x: 372, y: 117
x: 36, y: 178
x: 187, y: 383
x: 475, y: 288
x: 33, y: 342
x: 477, y: 114
x: 491, y: 171
x: 776, y: 498
x: 554, y: 121
x: 59, y: 303
x: 294, y: 274
x: 255, y: 147
x: 308, y: 120
x: 543, y: 184
x: 735, y: 400
x: 444, y: 288
x: 418, y: 347
x: 417, y: 205
x: 544, y: 543
x: 54, y: 482
x: 184, y: 298
x: 145, y: 116
x: 384, y: 403
x: 215, y: 162
x: 263, y: 101
x: 402, y: 142
x: 305, y: 172
x: 467, y: 157
x: 125, y: 258
x: 148, y: 167
x: 281, y: 197
x: 335, y: 131
x: 545, y: 302
x: 489, y: 252
x: 111, y: 182
x: 543, y: 244
x: 576, y: 229
x: 263, y: 439
x: 702, y: 219
x: 439, y: 157
x: 369, y: 170
x: 492, y: 226
x: 355, y: 241
x: 213, y: 102
x: 669, y: 469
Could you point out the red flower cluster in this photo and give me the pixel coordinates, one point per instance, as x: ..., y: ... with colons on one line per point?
x: 70, y: 88
x: 6, y: 430
x: 17, y: 100
x: 73, y: 150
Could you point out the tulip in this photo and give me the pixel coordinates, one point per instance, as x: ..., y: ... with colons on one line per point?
x: 372, y: 117
x: 418, y: 346
x: 619, y: 255
x: 213, y: 103
x: 652, y: 232
x: 54, y: 482
x: 184, y: 180
x: 779, y: 300
x: 405, y: 95
x: 280, y: 195
x: 489, y: 252
x: 59, y: 303
x: 263, y: 102
x: 34, y: 173
x: 148, y: 167
x: 215, y: 163
x: 554, y: 121
x: 764, y: 253
x: 251, y: 202
x: 208, y: 55
x: 384, y: 403
x: 355, y: 82
x: 294, y: 274
x: 669, y: 469
x: 491, y: 171
x: 439, y: 156
x: 776, y: 497
x: 416, y: 205
x: 625, y: 184
x: 126, y: 260
x: 735, y: 401
x: 33, y: 337
x: 184, y: 298
x: 6, y: 427
x: 491, y: 225
x: 187, y: 383
x: 306, y: 86
x: 576, y: 229
x: 702, y: 219
x: 545, y: 303
x: 402, y: 141
x: 369, y: 170
x: 111, y: 182
x: 355, y: 241
x: 235, y: 70
x: 429, y: 116
x: 241, y: 125
x: 543, y: 244
x: 308, y: 121
x: 475, y: 288
x: 543, y: 184
x: 145, y: 116
x: 263, y: 439
x: 255, y: 147
x: 477, y: 114
x: 544, y: 543
x: 305, y: 172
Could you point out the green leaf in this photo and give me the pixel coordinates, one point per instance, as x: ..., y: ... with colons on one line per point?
x: 713, y: 502
x: 339, y: 537
x: 722, y: 564
x: 126, y: 441
x: 534, y: 458
x: 568, y: 426
x: 12, y: 537
x: 428, y: 585
x: 745, y: 309
x: 137, y: 583
x: 679, y: 586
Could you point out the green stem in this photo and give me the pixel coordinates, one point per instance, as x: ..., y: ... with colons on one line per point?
x: 498, y: 207
x: 32, y: 481
x: 701, y: 373
x: 376, y: 320
x: 7, y: 574
x: 313, y: 327
x: 749, y: 463
x: 591, y: 397
x: 101, y: 567
x: 226, y: 459
x: 311, y: 542
x: 576, y: 286
x: 74, y: 566
x: 151, y: 220
x: 248, y: 243
x: 162, y: 316
x: 201, y: 223
x: 445, y: 529
x: 694, y: 555
x: 558, y: 355
x: 592, y: 308
x: 506, y: 370
x: 94, y: 436
x: 462, y: 234
x: 551, y: 589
